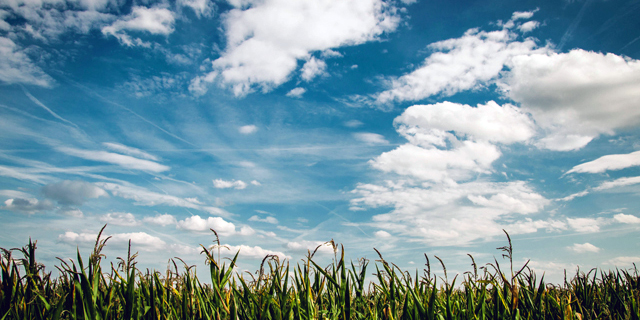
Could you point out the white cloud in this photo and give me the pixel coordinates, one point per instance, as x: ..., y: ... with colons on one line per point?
x: 255, y: 252
x: 202, y: 8
x: 622, y: 262
x: 582, y: 248
x: 161, y: 220
x: 296, y: 92
x: 459, y: 64
x: 140, y: 240
x: 267, y: 219
x: 620, y: 182
x: 144, y: 197
x: 575, y: 96
x: 585, y: 224
x: 248, y: 129
x: 430, y: 124
x: 115, y: 158
x: 452, y: 213
x: 157, y: 21
x: 371, y: 138
x: 382, y: 234
x: 313, y: 68
x: 195, y: 223
x: 120, y: 219
x: 256, y: 183
x: 246, y: 231
x: 306, y: 245
x: 120, y: 148
x: 608, y: 162
x: 68, y: 192
x: 266, y: 38
x: 438, y: 165
x: 28, y: 206
x: 626, y: 218
x: 528, y: 26
x: 17, y: 67
x: 223, y: 184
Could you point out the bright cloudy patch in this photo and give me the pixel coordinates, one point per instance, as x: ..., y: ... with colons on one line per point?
x: 608, y: 162
x: 575, y: 96
x: 265, y: 39
x: 72, y: 192
x: 584, y: 247
x: 196, y: 223
x: 620, y: 182
x: 17, y: 67
x: 134, y: 152
x: 248, y: 129
x: 267, y: 219
x: 623, y: 262
x: 255, y: 252
x: 120, y: 219
x: 156, y: 21
x: 161, y: 220
x: 224, y: 184
x: 456, y: 213
x: 382, y: 234
x: 305, y: 246
x: 584, y: 224
x: 296, y: 92
x: 626, y: 218
x: 459, y: 64
x: 139, y: 240
x: 370, y: 138
x: 202, y: 8
x: 124, y: 161
x: 312, y: 68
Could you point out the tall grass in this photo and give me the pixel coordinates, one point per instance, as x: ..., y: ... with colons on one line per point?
x: 279, y: 290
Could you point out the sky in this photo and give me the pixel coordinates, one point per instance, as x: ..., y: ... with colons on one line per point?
x: 413, y: 127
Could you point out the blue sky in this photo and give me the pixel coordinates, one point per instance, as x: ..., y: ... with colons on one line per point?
x: 409, y: 126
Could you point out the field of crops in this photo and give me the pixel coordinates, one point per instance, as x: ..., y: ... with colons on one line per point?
x: 85, y: 290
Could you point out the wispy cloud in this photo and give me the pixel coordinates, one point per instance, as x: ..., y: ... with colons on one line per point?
x: 124, y: 161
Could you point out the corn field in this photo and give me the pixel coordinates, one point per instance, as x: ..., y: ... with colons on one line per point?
x: 278, y: 290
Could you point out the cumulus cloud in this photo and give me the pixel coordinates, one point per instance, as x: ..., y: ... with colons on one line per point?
x: 255, y: 252
x: 223, y: 184
x: 453, y: 214
x: 69, y: 192
x: 585, y: 224
x: 296, y: 92
x: 575, y: 96
x: 626, y: 218
x: 17, y: 67
x: 120, y: 219
x: 124, y: 161
x: 459, y: 64
x: 266, y: 39
x: 198, y: 224
x: 382, y: 234
x: 304, y: 246
x: 267, y: 219
x: 608, y: 162
x: 202, y: 8
x: 584, y: 247
x: 28, y: 206
x: 248, y: 129
x: 161, y: 220
x: 156, y: 21
x: 312, y: 68
x: 140, y: 240
x: 370, y: 138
